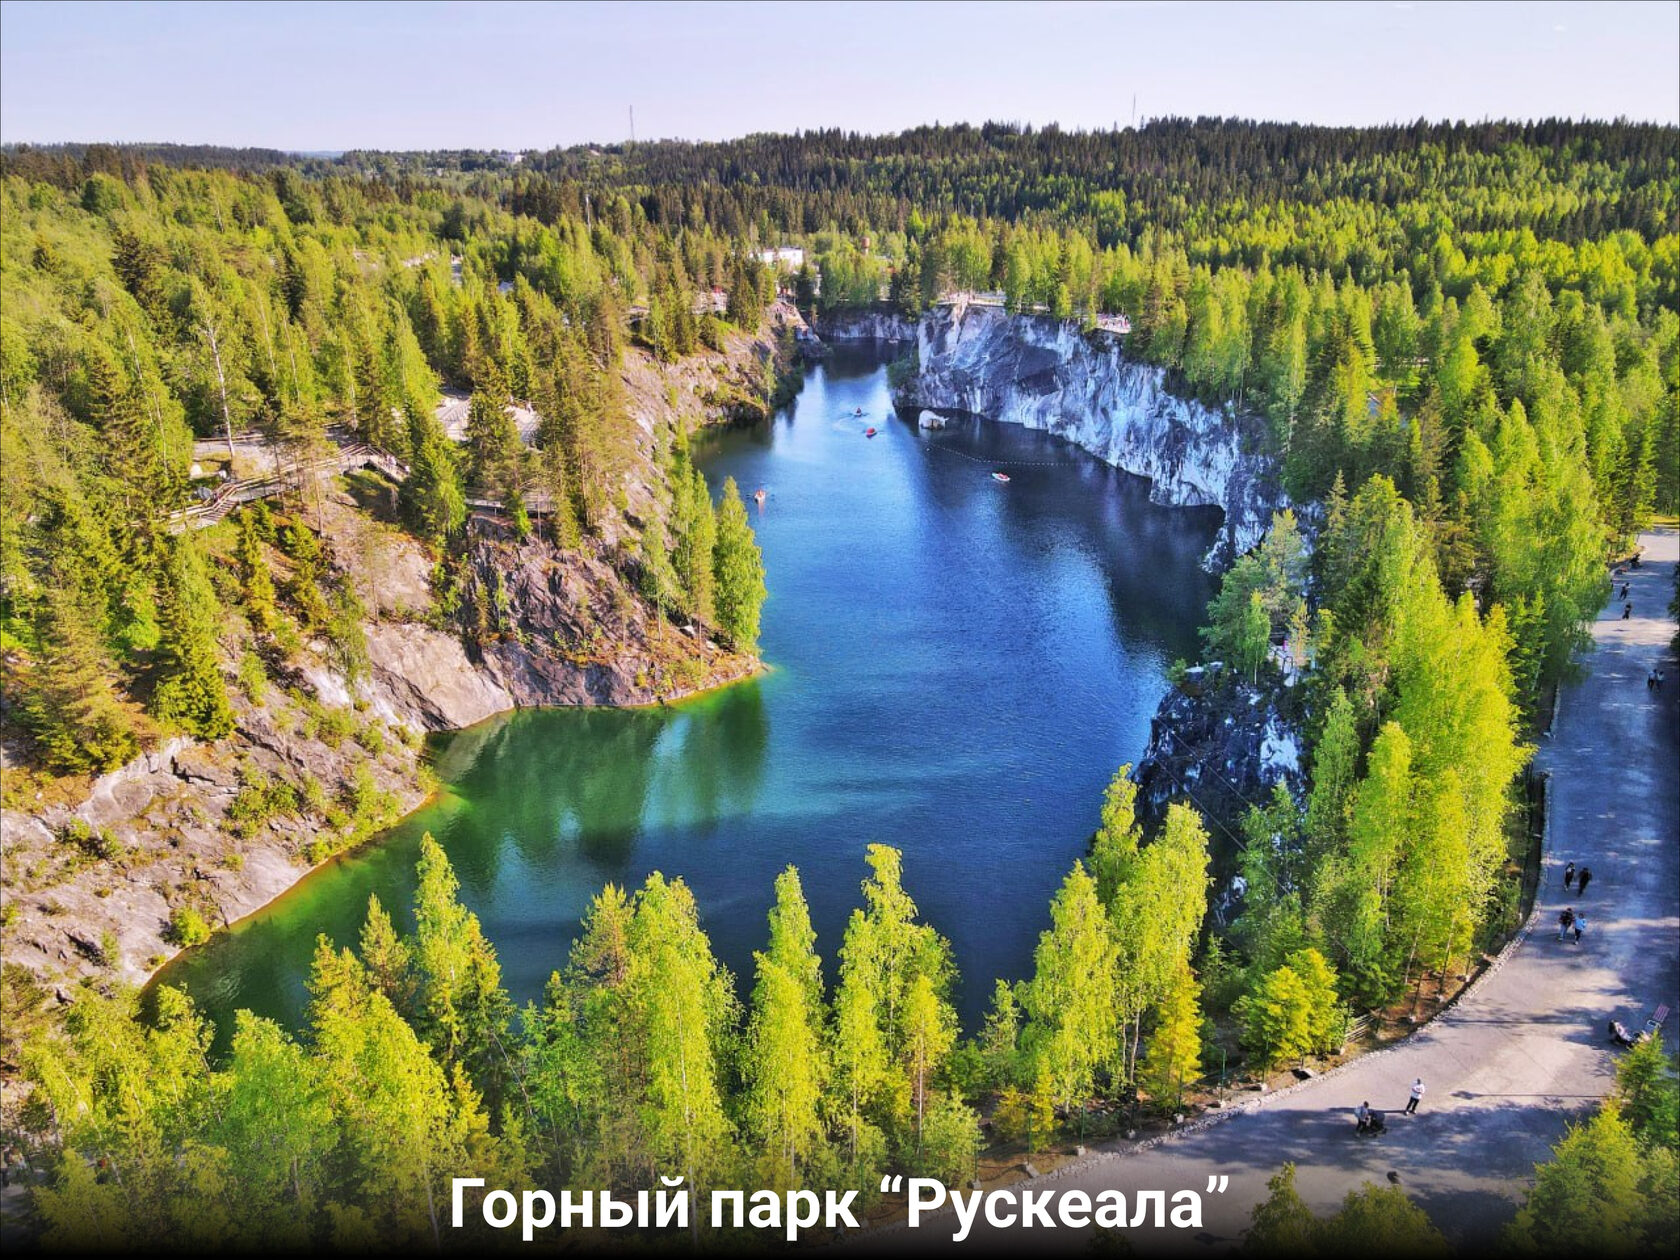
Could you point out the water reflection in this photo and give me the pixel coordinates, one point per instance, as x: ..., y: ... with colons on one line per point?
x: 958, y: 666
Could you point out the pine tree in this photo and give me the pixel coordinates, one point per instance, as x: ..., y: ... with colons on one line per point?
x: 494, y: 450
x: 660, y: 584
x: 695, y: 527
x: 69, y: 703
x: 1335, y: 757
x: 387, y: 958
x: 190, y: 692
x: 259, y: 584
x: 1277, y: 1017
x: 739, y: 571
x: 1283, y: 1224
x: 431, y: 496
x: 1376, y: 1219
x: 1318, y: 984
x: 1000, y: 1037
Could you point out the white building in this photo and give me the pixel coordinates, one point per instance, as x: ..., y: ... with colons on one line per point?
x: 783, y: 256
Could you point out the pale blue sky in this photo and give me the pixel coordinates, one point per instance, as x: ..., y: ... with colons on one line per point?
x: 405, y: 76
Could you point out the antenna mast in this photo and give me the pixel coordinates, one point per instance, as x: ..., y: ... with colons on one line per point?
x: 632, y: 124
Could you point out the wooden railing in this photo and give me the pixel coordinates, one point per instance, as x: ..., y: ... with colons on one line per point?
x: 232, y: 494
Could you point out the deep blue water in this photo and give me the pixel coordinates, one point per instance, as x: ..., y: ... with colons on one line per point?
x: 957, y: 667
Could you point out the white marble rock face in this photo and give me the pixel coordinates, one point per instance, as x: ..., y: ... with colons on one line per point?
x: 1046, y: 374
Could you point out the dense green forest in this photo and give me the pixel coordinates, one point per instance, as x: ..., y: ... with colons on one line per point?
x: 1465, y: 340
x: 188, y: 304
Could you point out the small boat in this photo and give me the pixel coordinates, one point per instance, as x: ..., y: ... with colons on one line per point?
x: 759, y: 496
x: 858, y: 412
x: 1000, y: 476
x: 869, y: 432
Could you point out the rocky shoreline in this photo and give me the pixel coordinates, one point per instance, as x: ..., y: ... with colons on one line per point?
x: 115, y: 876
x: 569, y: 631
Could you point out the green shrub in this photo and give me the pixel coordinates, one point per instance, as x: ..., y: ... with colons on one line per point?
x: 260, y: 798
x: 253, y: 676
x: 372, y: 737
x: 90, y: 841
x: 334, y: 726
x: 186, y: 927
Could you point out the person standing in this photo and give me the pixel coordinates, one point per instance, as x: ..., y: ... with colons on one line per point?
x: 1581, y: 882
x: 1416, y: 1098
x: 1569, y: 877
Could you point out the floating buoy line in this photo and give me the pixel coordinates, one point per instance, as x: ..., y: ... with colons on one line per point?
x: 1002, y: 463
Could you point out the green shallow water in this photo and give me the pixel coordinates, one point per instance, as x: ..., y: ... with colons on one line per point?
x: 957, y: 667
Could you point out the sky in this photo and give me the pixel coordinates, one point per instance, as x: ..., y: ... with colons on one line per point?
x: 324, y: 77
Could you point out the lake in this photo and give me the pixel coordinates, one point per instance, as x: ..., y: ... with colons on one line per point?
x: 957, y: 667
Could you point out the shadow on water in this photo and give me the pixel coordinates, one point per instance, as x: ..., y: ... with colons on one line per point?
x: 958, y: 665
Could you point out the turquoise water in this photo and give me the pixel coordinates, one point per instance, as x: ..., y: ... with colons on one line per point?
x: 957, y: 667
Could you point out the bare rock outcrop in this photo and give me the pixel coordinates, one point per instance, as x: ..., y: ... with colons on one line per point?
x: 565, y: 628
x: 1047, y: 374
x: 424, y: 677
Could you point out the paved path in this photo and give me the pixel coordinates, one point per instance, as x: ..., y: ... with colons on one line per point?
x: 1524, y: 1051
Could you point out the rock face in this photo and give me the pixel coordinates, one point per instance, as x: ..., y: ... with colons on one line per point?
x: 320, y: 761
x: 866, y: 326
x: 423, y: 676
x: 1046, y: 374
x: 90, y: 886
x: 566, y: 629
x: 1222, y: 745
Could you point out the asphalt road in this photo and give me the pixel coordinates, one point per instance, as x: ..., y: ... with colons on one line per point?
x: 1524, y: 1051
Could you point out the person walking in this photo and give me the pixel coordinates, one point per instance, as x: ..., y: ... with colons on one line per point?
x: 1566, y: 920
x: 1416, y: 1098
x: 1582, y: 880
x: 1627, y: 611
x: 1580, y: 926
x: 1569, y: 877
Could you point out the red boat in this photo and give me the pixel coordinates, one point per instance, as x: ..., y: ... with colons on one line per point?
x: 869, y: 433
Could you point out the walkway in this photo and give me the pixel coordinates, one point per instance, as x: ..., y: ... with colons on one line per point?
x: 1524, y: 1051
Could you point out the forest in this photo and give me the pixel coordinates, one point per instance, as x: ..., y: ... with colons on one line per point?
x: 1464, y: 339
x: 199, y: 304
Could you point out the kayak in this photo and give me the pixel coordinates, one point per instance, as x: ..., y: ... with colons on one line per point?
x: 869, y: 432
x: 1000, y: 476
